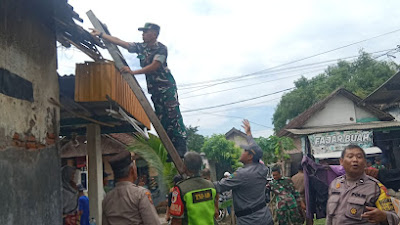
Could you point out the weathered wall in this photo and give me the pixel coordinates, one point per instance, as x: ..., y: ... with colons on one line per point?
x: 28, y: 52
x: 29, y: 159
x: 30, y: 187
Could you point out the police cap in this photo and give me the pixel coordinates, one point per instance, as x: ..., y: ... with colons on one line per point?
x: 120, y: 160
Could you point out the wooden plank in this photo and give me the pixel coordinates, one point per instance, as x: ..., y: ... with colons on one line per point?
x: 134, y: 85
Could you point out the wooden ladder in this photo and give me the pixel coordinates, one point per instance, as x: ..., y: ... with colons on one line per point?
x: 134, y: 85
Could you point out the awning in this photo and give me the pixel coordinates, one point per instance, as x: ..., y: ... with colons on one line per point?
x: 354, y: 126
x: 336, y: 154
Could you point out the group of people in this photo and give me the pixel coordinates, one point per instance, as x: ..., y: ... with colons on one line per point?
x: 354, y: 198
x: 193, y: 200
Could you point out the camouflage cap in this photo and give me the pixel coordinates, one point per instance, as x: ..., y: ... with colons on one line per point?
x: 150, y: 26
x: 120, y: 160
x: 254, y: 149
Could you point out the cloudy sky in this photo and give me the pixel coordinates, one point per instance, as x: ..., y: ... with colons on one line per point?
x: 234, y: 59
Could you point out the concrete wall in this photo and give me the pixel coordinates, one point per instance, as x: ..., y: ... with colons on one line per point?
x: 30, y: 187
x: 340, y: 110
x: 28, y: 50
x: 29, y: 159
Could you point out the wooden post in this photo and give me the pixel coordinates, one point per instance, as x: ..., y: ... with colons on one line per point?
x: 95, y: 171
x: 134, y: 85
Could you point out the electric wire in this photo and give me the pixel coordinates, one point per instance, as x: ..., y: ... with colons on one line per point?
x: 231, y: 103
x: 299, y: 60
x: 283, y: 70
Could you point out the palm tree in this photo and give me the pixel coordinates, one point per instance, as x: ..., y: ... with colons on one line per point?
x: 154, y: 153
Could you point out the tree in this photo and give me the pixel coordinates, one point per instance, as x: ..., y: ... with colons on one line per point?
x: 155, y: 154
x: 274, y: 148
x: 223, y: 152
x: 195, y: 141
x: 360, y: 77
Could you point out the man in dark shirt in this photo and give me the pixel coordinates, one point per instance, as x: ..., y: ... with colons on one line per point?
x: 160, y: 82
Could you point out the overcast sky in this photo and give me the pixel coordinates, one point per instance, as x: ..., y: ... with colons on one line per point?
x: 257, y: 40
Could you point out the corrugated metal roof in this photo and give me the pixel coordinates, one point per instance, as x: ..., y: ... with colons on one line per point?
x: 114, y: 145
x: 68, y: 32
x: 357, y: 126
x: 387, y: 93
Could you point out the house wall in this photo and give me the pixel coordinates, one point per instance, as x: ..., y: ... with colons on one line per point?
x: 29, y: 159
x: 239, y: 140
x: 340, y: 110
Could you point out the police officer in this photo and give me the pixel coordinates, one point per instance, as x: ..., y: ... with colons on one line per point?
x: 356, y: 198
x: 160, y: 82
x: 248, y: 185
x: 127, y: 203
x: 197, y: 194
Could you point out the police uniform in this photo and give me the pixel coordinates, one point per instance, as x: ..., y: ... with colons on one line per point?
x: 198, y: 195
x: 128, y: 203
x: 248, y: 188
x: 347, y: 202
x: 161, y: 85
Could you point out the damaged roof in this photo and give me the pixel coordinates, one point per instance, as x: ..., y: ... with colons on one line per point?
x: 69, y: 33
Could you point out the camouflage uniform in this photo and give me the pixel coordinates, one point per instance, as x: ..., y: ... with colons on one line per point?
x: 380, y: 166
x: 161, y: 85
x: 285, y: 202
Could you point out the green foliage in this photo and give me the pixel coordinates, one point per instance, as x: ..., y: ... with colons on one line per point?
x: 273, y: 148
x: 195, y: 141
x: 155, y: 154
x: 223, y: 152
x: 360, y: 77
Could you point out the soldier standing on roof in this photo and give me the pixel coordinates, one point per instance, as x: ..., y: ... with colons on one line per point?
x: 160, y: 82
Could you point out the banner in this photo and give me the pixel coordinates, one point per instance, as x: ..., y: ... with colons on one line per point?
x: 337, y: 141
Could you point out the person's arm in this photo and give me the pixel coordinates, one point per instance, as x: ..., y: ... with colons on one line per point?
x: 384, y: 212
x: 230, y: 183
x: 147, y: 210
x: 145, y: 70
x: 328, y: 218
x: 246, y: 126
x: 169, y: 202
x: 295, y: 193
x: 97, y: 34
x: 216, y: 207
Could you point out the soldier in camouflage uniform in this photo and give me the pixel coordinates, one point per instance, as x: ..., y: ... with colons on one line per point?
x: 160, y: 82
x: 285, y: 200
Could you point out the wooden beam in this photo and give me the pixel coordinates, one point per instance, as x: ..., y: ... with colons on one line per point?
x: 54, y: 102
x: 134, y: 85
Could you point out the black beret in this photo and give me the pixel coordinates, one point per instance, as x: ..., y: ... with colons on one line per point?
x: 120, y: 160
